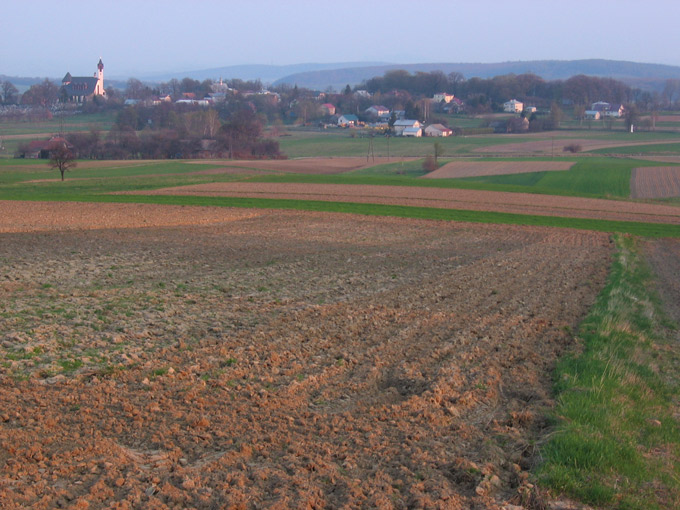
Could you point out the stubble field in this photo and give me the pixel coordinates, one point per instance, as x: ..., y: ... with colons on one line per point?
x: 282, y: 359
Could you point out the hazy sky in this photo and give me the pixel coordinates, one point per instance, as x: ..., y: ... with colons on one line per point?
x: 134, y: 38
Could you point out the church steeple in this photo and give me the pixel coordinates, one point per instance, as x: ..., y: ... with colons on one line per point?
x: 99, y: 89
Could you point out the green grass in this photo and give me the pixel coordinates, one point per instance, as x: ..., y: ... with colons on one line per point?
x: 617, y: 442
x: 589, y: 177
x: 660, y: 148
x: 80, y: 122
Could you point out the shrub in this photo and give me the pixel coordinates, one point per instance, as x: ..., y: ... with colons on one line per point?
x: 573, y: 148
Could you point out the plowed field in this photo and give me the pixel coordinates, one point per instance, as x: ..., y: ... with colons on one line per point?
x: 281, y: 359
x: 555, y: 147
x: 458, y: 169
x: 655, y: 182
x: 476, y: 200
x: 301, y: 166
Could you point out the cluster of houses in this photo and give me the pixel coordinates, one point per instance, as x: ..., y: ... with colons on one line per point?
x: 383, y: 119
x: 603, y: 109
x: 598, y: 110
x: 400, y: 127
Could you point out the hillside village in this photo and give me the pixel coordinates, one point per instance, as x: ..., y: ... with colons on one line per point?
x: 190, y: 118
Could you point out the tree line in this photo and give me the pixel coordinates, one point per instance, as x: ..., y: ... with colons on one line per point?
x: 488, y: 94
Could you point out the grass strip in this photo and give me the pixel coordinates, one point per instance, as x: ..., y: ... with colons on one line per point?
x: 617, y: 441
x: 400, y: 211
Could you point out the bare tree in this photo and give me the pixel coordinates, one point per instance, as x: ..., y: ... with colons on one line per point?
x: 62, y: 158
x: 10, y: 94
x: 438, y: 151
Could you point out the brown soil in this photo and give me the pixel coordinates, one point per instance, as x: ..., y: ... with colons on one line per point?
x: 664, y: 257
x: 655, y: 182
x: 280, y: 359
x: 555, y: 147
x: 521, y: 203
x: 302, y: 166
x: 458, y: 169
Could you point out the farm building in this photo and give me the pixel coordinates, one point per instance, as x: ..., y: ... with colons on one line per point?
x: 437, y: 130
x: 513, y: 106
x: 592, y: 115
x: 401, y: 125
x: 42, y: 149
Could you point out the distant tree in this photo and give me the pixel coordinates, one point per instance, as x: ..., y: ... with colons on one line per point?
x: 631, y: 116
x: 61, y: 158
x: 580, y: 112
x: 45, y: 94
x: 429, y: 164
x: 555, y: 117
x: 671, y: 90
x: 10, y: 94
x: 137, y: 90
x: 348, y: 90
x: 438, y: 151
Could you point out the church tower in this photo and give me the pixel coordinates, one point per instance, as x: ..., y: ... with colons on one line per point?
x: 99, y: 89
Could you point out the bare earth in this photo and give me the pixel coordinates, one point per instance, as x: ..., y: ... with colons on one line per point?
x: 303, y: 166
x: 555, y: 147
x: 458, y: 169
x: 520, y: 203
x: 275, y: 359
x: 655, y: 182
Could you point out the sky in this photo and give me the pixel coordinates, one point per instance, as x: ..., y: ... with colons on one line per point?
x: 40, y: 38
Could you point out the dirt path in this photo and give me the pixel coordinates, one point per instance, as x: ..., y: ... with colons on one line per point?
x: 520, y: 203
x: 282, y: 359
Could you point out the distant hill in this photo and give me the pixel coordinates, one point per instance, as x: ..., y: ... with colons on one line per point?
x: 337, y: 75
x: 644, y: 76
x: 265, y: 73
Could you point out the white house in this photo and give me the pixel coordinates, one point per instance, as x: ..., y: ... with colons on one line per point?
x: 615, y: 110
x: 443, y: 96
x: 377, y: 110
x: 592, y: 114
x: 437, y: 130
x: 415, y: 132
x: 347, y: 120
x: 401, y: 125
x: 513, y: 106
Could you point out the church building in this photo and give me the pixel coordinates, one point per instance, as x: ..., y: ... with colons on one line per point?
x: 78, y: 89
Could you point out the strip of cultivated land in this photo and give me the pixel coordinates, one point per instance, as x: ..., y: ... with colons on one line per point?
x: 475, y: 200
x: 655, y: 182
x: 459, y: 169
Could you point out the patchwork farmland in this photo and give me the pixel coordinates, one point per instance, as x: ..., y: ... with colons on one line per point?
x: 269, y: 334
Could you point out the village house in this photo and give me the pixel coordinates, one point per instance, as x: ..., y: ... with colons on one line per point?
x: 415, y: 132
x: 78, y: 89
x: 438, y: 130
x: 592, y: 115
x: 377, y: 111
x: 400, y: 126
x: 348, y: 120
x: 328, y: 109
x: 607, y: 109
x: 443, y: 96
x: 513, y: 106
